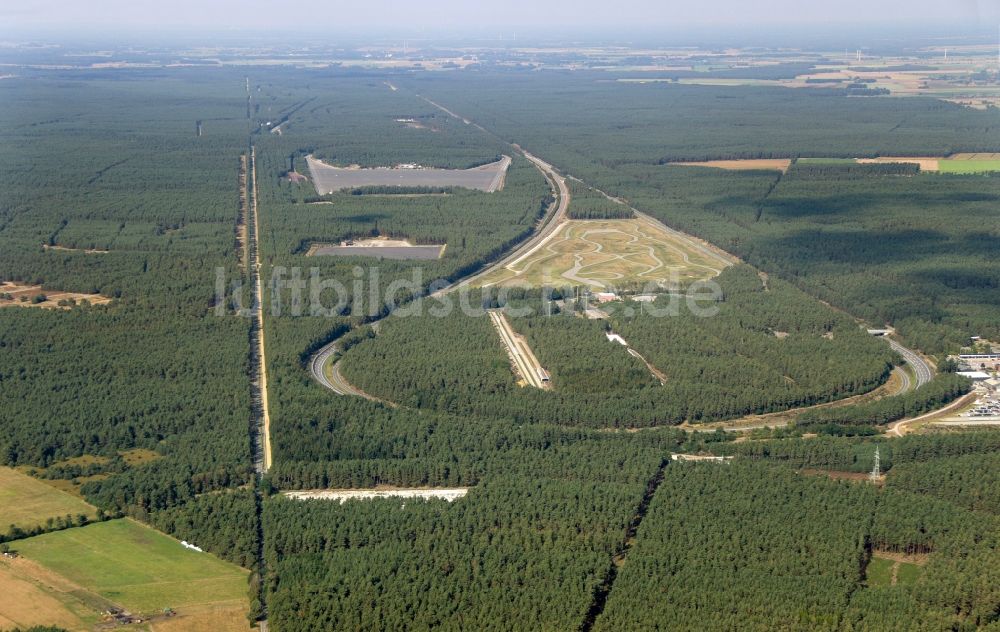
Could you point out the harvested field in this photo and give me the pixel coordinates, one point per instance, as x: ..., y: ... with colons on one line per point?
x: 980, y: 156
x: 215, y: 618
x: 28, y: 502
x: 137, y: 567
x: 33, y: 596
x: 343, y: 495
x: 328, y: 179
x: 926, y: 164
x: 609, y: 253
x: 778, y: 164
x: 35, y: 296
x: 380, y: 248
x: 957, y: 163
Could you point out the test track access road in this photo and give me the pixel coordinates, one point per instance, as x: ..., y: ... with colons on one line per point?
x: 921, y: 368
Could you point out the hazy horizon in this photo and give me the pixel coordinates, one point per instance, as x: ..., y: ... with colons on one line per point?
x: 455, y: 16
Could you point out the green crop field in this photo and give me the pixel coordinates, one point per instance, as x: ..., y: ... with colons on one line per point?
x: 136, y: 567
x: 28, y: 502
x: 968, y: 166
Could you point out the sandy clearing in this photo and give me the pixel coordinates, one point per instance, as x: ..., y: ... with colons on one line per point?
x: 968, y: 421
x: 343, y: 495
x: 769, y: 164
x: 380, y: 247
x: 52, y: 297
x: 89, y: 251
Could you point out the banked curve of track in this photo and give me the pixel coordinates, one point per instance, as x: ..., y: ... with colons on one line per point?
x: 556, y: 214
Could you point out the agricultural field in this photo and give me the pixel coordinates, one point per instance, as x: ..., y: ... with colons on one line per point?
x: 969, y: 165
x: 34, y: 596
x: 602, y: 254
x: 138, y: 568
x: 767, y: 164
x: 28, y: 502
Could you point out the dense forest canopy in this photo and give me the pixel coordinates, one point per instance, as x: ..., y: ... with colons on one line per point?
x: 728, y: 365
x: 563, y: 500
x: 875, y: 240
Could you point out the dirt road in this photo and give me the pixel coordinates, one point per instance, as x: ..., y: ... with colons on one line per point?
x: 262, y: 419
x: 901, y: 427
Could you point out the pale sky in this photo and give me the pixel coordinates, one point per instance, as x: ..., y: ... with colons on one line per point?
x: 372, y: 15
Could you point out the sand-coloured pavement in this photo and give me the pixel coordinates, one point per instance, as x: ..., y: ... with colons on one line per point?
x: 608, y: 253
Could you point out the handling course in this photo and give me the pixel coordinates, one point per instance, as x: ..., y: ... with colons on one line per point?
x: 608, y: 253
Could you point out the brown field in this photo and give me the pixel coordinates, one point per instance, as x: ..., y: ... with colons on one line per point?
x: 776, y: 164
x: 52, y: 298
x: 35, y: 596
x: 220, y: 618
x: 926, y: 163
